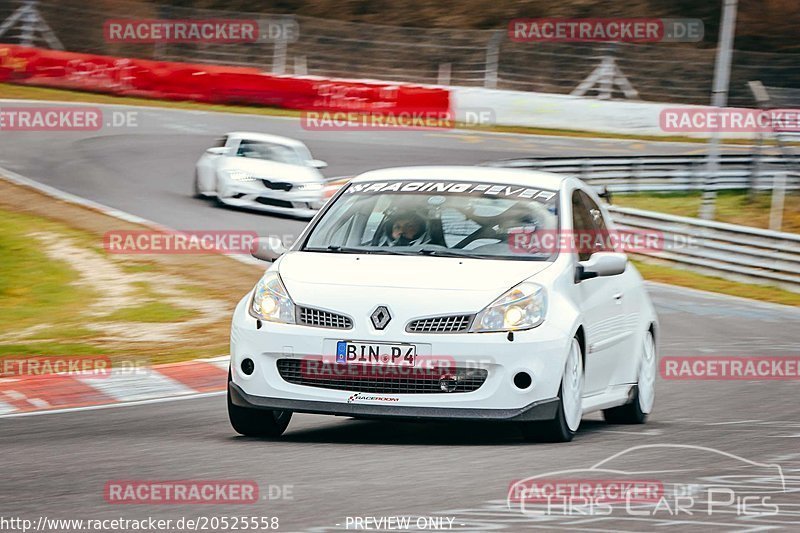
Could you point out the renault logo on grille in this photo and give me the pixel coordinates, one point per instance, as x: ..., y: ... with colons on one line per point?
x: 380, y: 317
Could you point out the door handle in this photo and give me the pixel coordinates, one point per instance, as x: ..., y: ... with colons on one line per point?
x: 618, y: 297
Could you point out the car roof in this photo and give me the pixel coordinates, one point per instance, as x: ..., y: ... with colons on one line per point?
x: 510, y: 176
x: 265, y: 137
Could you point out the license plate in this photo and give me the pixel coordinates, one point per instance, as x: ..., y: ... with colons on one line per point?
x: 369, y: 353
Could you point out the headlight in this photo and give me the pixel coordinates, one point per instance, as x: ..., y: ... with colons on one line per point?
x: 522, y: 307
x: 239, y: 175
x: 270, y: 300
x: 309, y: 187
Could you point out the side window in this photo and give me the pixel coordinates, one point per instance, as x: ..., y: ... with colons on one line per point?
x: 582, y: 226
x: 602, y: 242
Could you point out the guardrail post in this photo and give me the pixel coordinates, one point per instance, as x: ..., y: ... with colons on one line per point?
x: 493, y: 59
x: 444, y: 74
x: 778, y: 194
x: 279, y: 56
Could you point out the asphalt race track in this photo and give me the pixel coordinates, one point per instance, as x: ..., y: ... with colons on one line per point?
x: 57, y: 464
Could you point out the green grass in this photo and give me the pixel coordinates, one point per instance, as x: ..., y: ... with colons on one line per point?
x: 39, y: 290
x: 150, y: 312
x: 732, y: 206
x: 34, y: 288
x: 685, y: 278
x: 25, y: 92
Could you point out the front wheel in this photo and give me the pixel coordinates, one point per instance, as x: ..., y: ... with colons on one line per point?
x: 570, y: 407
x: 636, y: 411
x: 197, y: 192
x: 257, y: 422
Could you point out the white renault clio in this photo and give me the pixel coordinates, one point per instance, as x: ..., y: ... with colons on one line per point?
x: 447, y: 293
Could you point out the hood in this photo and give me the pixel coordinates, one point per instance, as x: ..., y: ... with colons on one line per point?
x: 332, y: 280
x: 405, y: 272
x: 272, y: 170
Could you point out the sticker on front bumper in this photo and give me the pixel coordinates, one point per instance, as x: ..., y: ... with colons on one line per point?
x: 365, y: 397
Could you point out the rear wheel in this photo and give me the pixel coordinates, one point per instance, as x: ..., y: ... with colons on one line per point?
x: 636, y: 411
x: 570, y: 407
x: 257, y: 422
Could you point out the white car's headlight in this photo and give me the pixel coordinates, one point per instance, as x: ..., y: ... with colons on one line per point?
x: 522, y: 307
x: 239, y: 175
x: 309, y: 187
x: 271, y: 301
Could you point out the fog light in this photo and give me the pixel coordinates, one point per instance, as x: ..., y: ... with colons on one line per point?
x: 248, y: 366
x: 523, y: 380
x: 448, y: 383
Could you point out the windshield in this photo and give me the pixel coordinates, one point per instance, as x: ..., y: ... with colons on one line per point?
x: 437, y: 218
x: 270, y: 152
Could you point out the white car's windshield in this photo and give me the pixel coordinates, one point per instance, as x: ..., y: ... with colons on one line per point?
x: 438, y: 218
x: 270, y: 152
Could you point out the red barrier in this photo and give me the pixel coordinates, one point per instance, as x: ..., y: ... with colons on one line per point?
x: 209, y: 83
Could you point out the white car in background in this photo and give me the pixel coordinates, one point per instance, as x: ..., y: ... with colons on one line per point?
x: 262, y: 172
x: 410, y: 296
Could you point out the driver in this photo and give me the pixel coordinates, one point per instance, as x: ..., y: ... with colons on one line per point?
x: 405, y: 229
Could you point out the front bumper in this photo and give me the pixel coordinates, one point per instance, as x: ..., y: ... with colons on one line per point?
x: 539, y: 410
x: 253, y: 195
x: 540, y: 352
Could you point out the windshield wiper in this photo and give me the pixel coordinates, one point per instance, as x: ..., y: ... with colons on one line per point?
x: 336, y: 249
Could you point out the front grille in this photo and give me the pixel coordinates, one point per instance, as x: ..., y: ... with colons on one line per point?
x: 277, y: 185
x: 441, y: 324
x: 385, y: 380
x: 318, y: 318
x: 273, y: 202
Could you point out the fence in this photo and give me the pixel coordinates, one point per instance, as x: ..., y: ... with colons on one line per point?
x: 659, y: 72
x: 667, y: 173
x: 726, y: 250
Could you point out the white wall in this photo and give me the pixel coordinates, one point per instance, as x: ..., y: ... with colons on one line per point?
x: 564, y: 112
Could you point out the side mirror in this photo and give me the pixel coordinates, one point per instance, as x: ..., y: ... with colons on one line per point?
x: 219, y: 150
x: 316, y: 163
x: 267, y: 248
x: 601, y: 264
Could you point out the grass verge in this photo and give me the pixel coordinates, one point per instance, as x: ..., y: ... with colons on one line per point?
x: 684, y: 278
x: 732, y: 206
x: 62, y: 294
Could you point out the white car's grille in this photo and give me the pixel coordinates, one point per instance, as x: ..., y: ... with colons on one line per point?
x: 441, y: 324
x: 308, y: 316
x: 363, y: 378
x: 277, y: 185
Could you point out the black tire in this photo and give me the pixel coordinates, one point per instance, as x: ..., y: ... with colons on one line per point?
x: 257, y: 422
x: 197, y: 187
x: 630, y: 413
x: 555, y: 430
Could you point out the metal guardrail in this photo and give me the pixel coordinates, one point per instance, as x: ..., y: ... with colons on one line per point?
x: 667, y: 173
x: 728, y: 250
x: 720, y: 249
